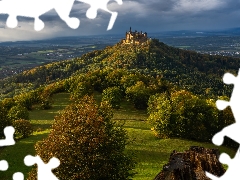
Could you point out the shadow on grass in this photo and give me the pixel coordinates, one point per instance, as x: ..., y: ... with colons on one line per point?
x: 137, y: 128
x: 15, y: 155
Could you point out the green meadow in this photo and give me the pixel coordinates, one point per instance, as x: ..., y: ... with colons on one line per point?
x: 150, y: 152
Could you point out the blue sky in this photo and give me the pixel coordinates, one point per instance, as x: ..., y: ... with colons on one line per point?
x: 145, y: 15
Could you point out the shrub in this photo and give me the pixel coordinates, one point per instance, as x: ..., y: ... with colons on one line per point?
x: 46, y: 103
x: 4, y: 120
x: 113, y: 96
x: 18, y: 112
x: 80, y: 90
x: 26, y: 99
x: 8, y: 103
x: 138, y: 94
x: 23, y: 128
x: 184, y: 115
x: 88, y: 144
x: 160, y: 115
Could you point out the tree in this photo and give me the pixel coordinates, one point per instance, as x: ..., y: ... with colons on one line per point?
x: 4, y: 120
x: 80, y: 90
x: 23, y: 128
x: 113, y: 95
x: 18, y: 112
x: 160, y: 115
x: 88, y: 144
x: 8, y: 103
x: 138, y: 94
x: 183, y: 115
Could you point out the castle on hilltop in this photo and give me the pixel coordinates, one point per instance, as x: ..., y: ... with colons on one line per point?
x: 135, y: 37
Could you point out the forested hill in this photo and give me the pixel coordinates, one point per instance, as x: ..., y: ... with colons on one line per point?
x: 198, y: 73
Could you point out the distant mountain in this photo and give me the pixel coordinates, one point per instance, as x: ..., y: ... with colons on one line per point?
x: 198, y: 33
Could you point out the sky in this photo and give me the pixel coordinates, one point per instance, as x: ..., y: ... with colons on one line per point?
x: 142, y: 15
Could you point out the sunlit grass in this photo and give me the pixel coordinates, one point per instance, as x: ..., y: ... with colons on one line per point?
x: 151, y: 153
x: 15, y: 155
x: 41, y: 120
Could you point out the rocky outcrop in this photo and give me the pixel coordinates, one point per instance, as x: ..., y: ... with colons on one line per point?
x: 192, y: 164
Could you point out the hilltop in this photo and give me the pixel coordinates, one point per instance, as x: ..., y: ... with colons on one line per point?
x: 198, y: 73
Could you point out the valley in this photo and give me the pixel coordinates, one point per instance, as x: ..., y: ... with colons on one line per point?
x: 158, y: 98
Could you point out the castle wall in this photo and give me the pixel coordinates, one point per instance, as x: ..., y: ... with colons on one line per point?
x: 135, y: 38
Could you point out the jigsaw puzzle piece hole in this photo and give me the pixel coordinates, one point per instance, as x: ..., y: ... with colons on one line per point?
x: 54, y: 162
x: 221, y: 104
x: 225, y: 159
x: 218, y: 139
x: 112, y: 20
x: 229, y: 78
x: 38, y: 24
x: 29, y: 160
x: 18, y: 176
x: 211, y: 176
x: 3, y: 165
x: 12, y: 22
x: 91, y: 13
x: 73, y: 22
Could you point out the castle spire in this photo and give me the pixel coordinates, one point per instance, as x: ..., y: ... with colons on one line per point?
x: 130, y: 29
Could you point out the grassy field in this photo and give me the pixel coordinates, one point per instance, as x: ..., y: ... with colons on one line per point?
x: 151, y: 153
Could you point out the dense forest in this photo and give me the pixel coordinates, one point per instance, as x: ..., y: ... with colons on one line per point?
x: 198, y: 73
x: 176, y: 87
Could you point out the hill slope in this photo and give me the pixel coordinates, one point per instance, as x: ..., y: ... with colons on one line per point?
x: 199, y: 73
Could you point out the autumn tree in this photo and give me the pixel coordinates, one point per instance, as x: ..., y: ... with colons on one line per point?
x: 88, y: 144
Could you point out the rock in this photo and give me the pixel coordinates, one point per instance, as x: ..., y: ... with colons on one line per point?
x: 192, y: 164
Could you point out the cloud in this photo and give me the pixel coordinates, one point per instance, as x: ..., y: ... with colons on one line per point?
x: 146, y: 15
x: 197, y: 6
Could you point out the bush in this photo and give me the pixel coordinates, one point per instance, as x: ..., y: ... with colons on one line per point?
x: 184, y: 115
x: 46, y: 103
x: 26, y: 99
x: 8, y: 103
x: 18, y: 112
x: 138, y: 94
x: 4, y: 120
x: 23, y: 128
x: 160, y: 115
x: 80, y: 90
x: 88, y: 144
x: 113, y: 95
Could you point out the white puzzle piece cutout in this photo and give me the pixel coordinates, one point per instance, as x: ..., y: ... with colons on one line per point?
x: 18, y: 176
x: 101, y: 4
x: 232, y: 172
x: 44, y: 170
x: 36, y: 8
x: 9, y: 134
x: 232, y: 131
x: 3, y: 165
x: 8, y: 141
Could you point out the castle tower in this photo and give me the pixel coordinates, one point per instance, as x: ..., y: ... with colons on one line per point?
x: 135, y: 37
